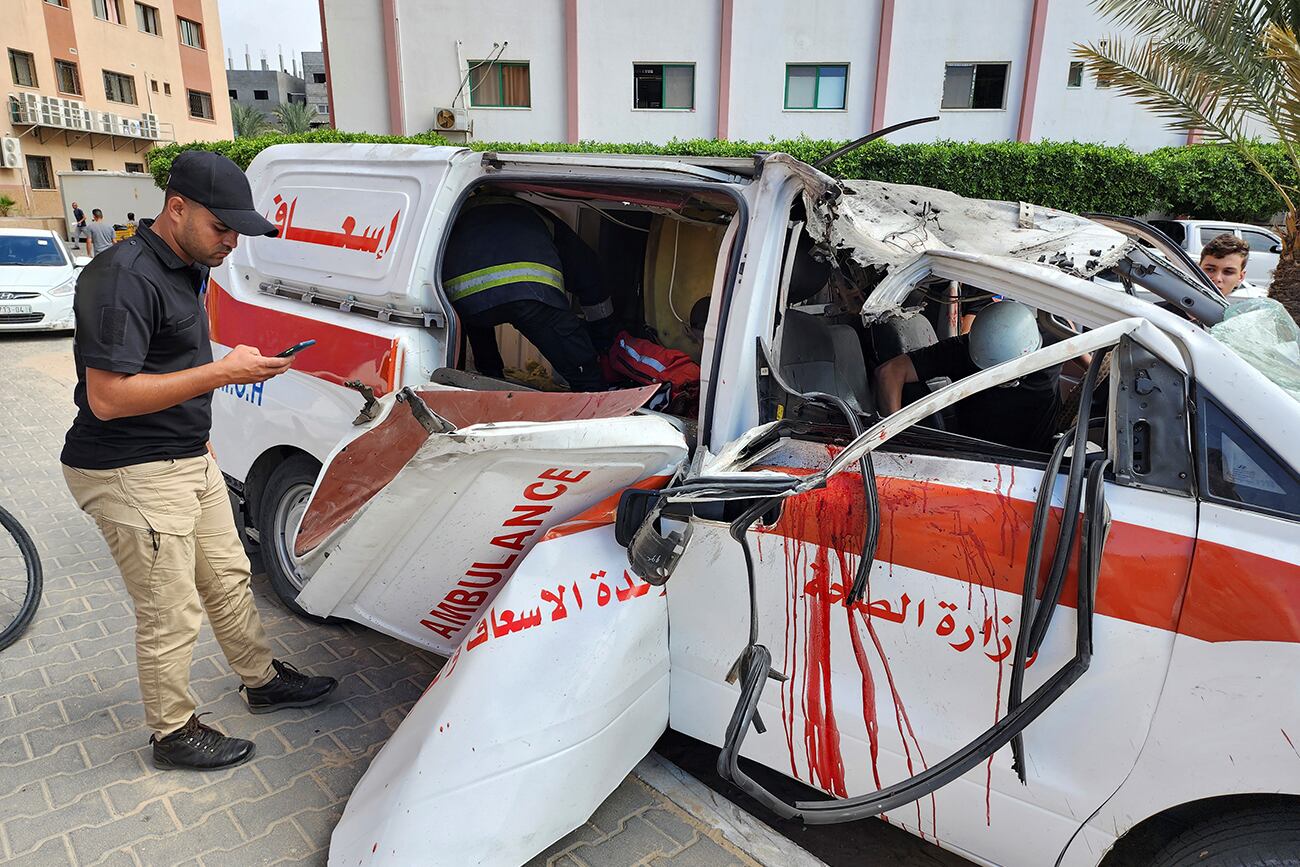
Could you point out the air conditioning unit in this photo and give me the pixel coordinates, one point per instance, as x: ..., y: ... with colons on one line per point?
x: 71, y: 114
x: 25, y: 108
x: 11, y: 152
x: 149, y: 126
x: 51, y: 111
x: 107, y: 123
x: 87, y: 118
x: 450, y: 120
x: 131, y: 127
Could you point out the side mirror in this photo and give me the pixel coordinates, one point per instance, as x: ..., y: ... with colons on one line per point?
x: 651, y: 553
x: 1276, y: 248
x: 80, y: 261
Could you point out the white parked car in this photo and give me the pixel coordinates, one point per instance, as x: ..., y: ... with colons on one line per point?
x: 37, y: 279
x: 1192, y: 235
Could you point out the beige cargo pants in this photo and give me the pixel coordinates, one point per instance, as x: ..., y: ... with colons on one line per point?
x: 172, y: 533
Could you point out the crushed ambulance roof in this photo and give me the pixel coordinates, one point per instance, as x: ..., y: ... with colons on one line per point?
x: 884, y: 225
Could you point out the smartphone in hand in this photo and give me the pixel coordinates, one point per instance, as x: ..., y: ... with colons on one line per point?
x: 296, y: 348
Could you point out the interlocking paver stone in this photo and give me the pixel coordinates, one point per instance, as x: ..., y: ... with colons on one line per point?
x: 77, y: 785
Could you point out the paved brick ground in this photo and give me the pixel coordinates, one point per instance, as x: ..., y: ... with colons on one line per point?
x: 76, y: 783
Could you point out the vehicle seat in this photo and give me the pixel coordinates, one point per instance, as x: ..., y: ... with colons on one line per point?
x: 817, y: 355
x: 896, y: 333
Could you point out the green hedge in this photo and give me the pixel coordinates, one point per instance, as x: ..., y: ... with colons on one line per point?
x: 1207, y: 181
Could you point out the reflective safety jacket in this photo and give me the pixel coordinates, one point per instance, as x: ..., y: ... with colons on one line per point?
x: 506, y: 251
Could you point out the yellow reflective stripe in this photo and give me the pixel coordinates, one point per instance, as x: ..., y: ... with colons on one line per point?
x: 501, y: 275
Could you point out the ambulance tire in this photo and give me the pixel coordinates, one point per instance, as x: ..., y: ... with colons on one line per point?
x: 280, y: 503
x: 1255, y: 838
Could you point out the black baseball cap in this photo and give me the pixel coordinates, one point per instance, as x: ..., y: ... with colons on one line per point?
x: 219, y: 185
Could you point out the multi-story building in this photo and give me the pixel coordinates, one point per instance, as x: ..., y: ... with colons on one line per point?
x: 264, y: 89
x: 94, y: 84
x: 315, y: 75
x: 624, y: 70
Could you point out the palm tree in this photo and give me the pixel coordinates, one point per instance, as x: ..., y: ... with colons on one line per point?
x: 1220, y: 67
x: 295, y: 117
x: 248, y: 121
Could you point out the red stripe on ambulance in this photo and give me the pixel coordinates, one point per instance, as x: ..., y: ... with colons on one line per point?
x: 340, y: 354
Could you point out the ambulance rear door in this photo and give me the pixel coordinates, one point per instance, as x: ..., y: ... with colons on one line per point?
x: 351, y: 268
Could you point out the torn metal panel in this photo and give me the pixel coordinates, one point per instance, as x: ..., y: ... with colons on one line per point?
x: 884, y: 225
x: 548, y: 702
x: 374, y: 458
x: 422, y: 557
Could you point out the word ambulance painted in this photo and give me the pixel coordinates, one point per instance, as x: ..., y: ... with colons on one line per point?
x: 464, y: 602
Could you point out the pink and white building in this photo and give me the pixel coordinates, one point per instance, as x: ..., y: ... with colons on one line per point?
x: 629, y: 70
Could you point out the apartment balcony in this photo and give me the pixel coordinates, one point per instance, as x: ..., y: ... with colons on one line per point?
x: 47, y: 117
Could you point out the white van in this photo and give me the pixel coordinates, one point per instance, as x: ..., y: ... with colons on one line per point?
x: 884, y: 609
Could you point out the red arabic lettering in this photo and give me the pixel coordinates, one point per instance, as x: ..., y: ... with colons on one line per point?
x: 466, y: 599
x: 559, y: 612
x: 369, y: 241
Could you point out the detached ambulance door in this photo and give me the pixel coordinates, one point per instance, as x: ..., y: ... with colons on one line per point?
x: 911, y: 681
x: 420, y: 520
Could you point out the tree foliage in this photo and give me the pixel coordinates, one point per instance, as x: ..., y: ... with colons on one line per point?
x: 1228, y: 69
x: 248, y: 122
x: 295, y: 118
x: 1209, y: 181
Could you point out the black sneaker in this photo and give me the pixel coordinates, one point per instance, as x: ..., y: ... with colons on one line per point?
x: 199, y: 747
x: 289, y: 688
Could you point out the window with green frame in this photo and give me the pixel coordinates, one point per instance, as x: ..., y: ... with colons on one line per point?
x: 499, y: 84
x: 816, y: 85
x: 663, y: 85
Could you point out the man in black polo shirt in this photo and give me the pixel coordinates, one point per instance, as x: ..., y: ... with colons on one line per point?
x: 137, y: 457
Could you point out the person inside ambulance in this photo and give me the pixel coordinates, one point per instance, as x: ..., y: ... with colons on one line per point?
x: 1013, y: 414
x: 508, y: 262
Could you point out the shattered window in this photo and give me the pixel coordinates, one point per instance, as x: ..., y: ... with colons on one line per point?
x: 975, y: 85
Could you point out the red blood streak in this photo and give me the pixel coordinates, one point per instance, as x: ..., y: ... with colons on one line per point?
x: 868, y: 698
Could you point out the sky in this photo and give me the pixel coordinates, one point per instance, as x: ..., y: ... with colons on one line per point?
x: 295, y: 27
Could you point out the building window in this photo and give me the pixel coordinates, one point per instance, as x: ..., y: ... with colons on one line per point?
x: 1076, y: 75
x: 261, y: 94
x: 201, y: 104
x: 153, y: 83
x: 60, y: 3
x: 816, y: 86
x: 69, y: 77
x: 663, y: 85
x: 40, y: 173
x: 499, y: 85
x: 234, y: 94
x: 22, y: 67
x: 137, y: 168
x: 167, y: 88
x: 82, y: 165
x: 191, y: 33
x: 146, y: 18
x: 108, y: 10
x: 318, y: 77
x: 1103, y: 80
x: 119, y: 87
x: 975, y: 85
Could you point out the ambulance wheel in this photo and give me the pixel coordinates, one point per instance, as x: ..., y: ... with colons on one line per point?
x: 280, y: 507
x: 1256, y: 838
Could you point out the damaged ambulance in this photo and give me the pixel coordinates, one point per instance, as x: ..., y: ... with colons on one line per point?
x: 1079, y: 655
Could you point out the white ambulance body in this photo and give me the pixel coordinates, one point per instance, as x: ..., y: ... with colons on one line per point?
x: 1015, y: 687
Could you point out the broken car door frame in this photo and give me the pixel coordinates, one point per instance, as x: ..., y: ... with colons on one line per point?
x: 754, y: 663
